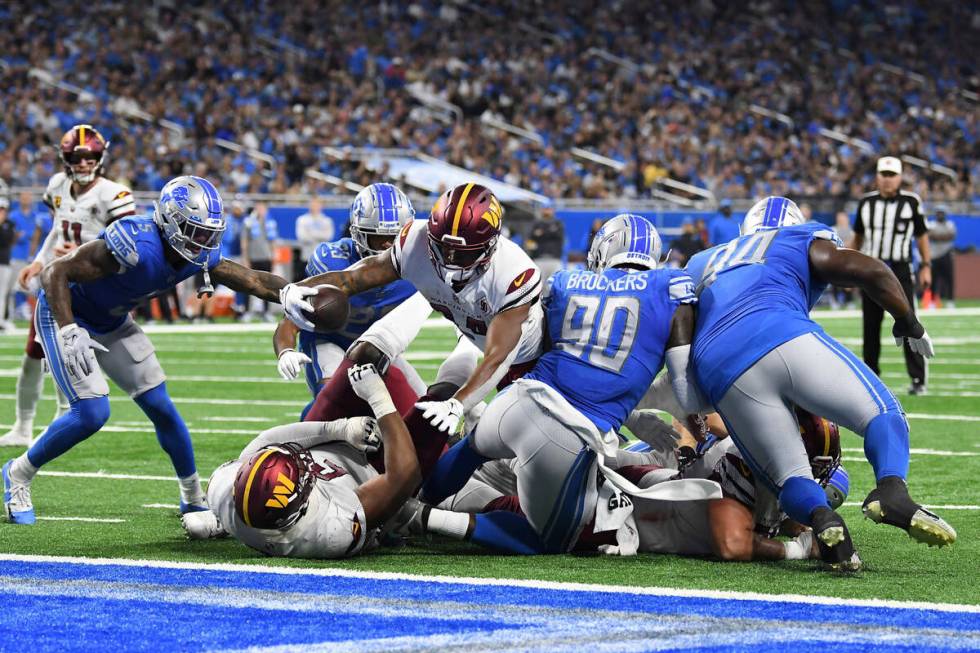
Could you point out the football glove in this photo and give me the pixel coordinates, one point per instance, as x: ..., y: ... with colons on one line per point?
x: 362, y: 433
x: 649, y: 428
x: 291, y: 363
x: 369, y: 386
x: 444, y: 415
x: 908, y: 328
x: 76, y: 350
x: 293, y: 300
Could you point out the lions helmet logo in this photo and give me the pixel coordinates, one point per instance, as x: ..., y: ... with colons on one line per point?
x: 181, y: 196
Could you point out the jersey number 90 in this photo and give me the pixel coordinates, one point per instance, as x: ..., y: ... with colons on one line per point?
x: 600, y: 333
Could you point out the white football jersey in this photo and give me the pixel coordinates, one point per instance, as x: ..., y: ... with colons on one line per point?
x: 511, y: 279
x: 80, y: 220
x: 334, y: 525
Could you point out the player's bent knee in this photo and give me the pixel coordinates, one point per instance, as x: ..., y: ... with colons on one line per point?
x: 92, y: 413
x: 364, y: 353
x: 734, y: 546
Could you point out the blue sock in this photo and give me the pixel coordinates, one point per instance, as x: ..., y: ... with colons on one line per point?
x: 85, y: 418
x: 306, y: 409
x: 452, y: 471
x: 800, y: 496
x: 886, y: 445
x: 508, y: 532
x: 172, y: 433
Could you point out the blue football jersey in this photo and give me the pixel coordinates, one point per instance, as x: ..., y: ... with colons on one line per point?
x: 366, y: 308
x: 137, y: 244
x: 754, y: 294
x: 608, y: 333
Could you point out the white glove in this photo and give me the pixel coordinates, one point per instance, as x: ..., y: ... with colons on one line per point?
x: 76, y: 350
x: 291, y: 363
x: 369, y: 386
x: 362, y: 433
x: 293, y: 300
x: 801, y: 547
x: 202, y: 525
x: 444, y: 415
x: 649, y: 428
x: 921, y: 346
x: 627, y: 541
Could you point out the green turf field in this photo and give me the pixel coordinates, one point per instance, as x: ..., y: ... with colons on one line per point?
x: 227, y: 388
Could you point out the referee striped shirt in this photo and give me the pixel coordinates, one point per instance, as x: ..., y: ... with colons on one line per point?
x: 888, y: 225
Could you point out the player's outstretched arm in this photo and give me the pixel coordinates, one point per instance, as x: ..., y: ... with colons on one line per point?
x: 284, y: 343
x: 678, y: 356
x: 846, y: 267
x: 503, y: 337
x: 369, y: 272
x: 384, y: 495
x: 264, y: 285
x: 733, y: 536
x: 89, y: 262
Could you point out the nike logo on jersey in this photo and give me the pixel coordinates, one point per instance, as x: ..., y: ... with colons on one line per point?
x: 520, y: 279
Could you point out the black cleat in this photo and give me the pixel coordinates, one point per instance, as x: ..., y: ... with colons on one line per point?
x: 890, y: 503
x: 834, y: 541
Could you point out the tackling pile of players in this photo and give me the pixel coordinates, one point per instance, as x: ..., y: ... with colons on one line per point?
x: 574, y: 358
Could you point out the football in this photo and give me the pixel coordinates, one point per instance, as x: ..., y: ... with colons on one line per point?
x: 330, y: 309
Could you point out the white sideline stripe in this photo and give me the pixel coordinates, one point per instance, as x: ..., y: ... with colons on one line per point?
x: 109, y: 428
x: 931, y: 506
x: 125, y: 477
x: 95, y: 520
x: 199, y: 400
x: 924, y: 452
x: 949, y: 418
x: 499, y: 582
x: 162, y: 506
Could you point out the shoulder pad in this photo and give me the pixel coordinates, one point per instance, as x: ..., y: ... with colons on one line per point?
x: 681, y: 288
x: 120, y: 237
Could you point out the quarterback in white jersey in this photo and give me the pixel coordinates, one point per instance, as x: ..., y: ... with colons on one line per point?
x: 485, y: 284
x: 82, y: 204
x: 307, y: 490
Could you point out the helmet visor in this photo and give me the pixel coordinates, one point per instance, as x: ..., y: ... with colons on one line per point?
x: 458, y: 257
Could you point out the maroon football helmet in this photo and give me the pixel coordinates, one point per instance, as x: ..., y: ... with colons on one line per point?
x: 821, y: 437
x: 464, y: 226
x: 83, y: 142
x: 272, y: 486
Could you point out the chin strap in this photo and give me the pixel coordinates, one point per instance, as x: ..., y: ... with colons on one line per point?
x: 207, y: 288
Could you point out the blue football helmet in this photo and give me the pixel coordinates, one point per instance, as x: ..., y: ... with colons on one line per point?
x: 625, y: 239
x: 191, y: 216
x: 771, y: 213
x: 378, y: 210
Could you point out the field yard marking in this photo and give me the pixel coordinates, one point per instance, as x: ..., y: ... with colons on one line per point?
x: 109, y: 428
x: 502, y: 582
x: 199, y: 400
x: 219, y: 418
x: 161, y: 506
x: 124, y: 477
x: 949, y: 418
x: 95, y: 520
x: 924, y: 452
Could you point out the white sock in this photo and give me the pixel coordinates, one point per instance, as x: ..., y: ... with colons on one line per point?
x: 190, y: 489
x: 448, y: 523
x: 22, y: 470
x: 29, y: 386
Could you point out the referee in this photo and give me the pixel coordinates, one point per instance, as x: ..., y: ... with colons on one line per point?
x: 886, y: 221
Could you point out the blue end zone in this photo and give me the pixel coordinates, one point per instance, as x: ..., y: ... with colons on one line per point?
x: 68, y: 606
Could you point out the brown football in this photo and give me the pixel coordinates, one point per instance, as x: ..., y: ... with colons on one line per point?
x: 330, y: 309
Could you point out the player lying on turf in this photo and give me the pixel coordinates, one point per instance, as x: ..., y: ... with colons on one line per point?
x: 757, y: 352
x: 308, y: 490
x: 612, y: 327
x: 482, y: 282
x: 378, y: 214
x: 83, y: 323
x: 742, y: 525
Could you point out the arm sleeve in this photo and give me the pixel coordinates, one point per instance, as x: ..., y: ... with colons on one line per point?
x: 686, y: 390
x: 122, y: 245
x: 305, y: 434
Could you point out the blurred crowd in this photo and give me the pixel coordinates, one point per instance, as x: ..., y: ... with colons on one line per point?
x: 663, y: 91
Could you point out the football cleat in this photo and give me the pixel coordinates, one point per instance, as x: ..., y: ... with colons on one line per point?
x: 834, y: 541
x: 193, y: 506
x: 202, y: 525
x: 890, y: 503
x: 17, y: 499
x: 18, y: 436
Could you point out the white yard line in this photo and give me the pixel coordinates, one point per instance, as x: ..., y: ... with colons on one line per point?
x: 198, y: 400
x: 143, y: 428
x: 931, y: 506
x: 162, y: 506
x: 124, y: 477
x: 501, y: 582
x: 95, y: 520
x: 924, y: 452
x: 944, y: 418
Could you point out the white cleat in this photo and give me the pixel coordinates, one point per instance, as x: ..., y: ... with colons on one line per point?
x: 16, y: 498
x: 202, y: 525
x: 18, y: 436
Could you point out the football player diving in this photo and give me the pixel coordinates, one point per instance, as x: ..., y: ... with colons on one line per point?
x: 481, y: 281
x: 756, y: 353
x: 83, y: 323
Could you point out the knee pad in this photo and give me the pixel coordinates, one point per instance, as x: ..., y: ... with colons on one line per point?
x: 440, y: 391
